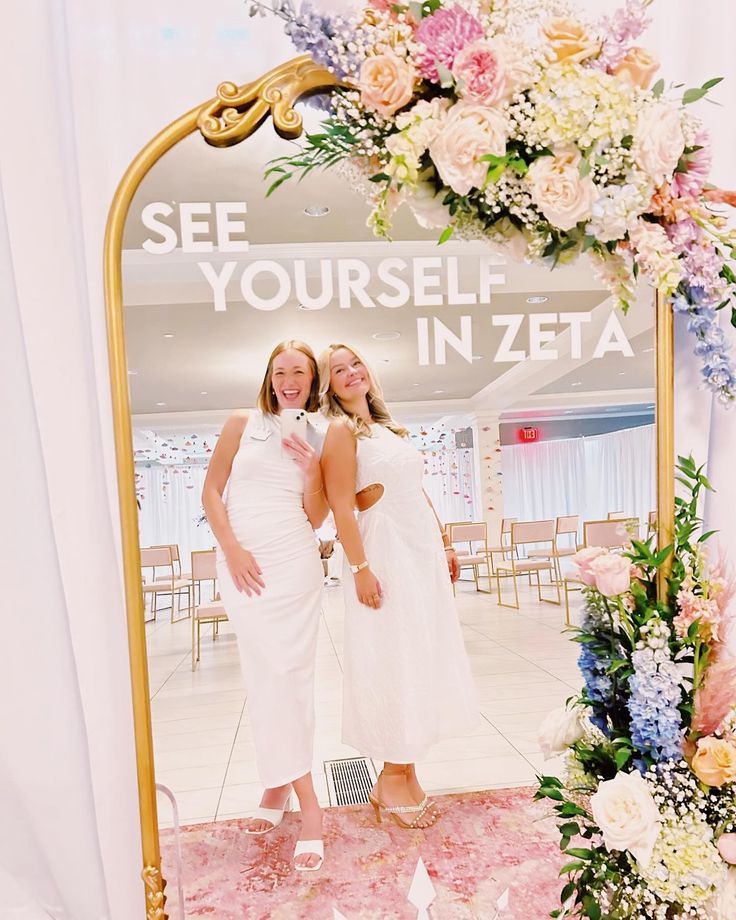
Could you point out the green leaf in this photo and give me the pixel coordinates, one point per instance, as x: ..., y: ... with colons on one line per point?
x: 581, y: 853
x: 584, y: 168
x: 571, y: 867
x: 519, y: 166
x: 622, y: 756
x: 570, y: 828
x: 446, y: 234
x: 693, y: 95
x: 707, y: 535
x: 733, y: 317
x: 658, y: 89
x: 592, y: 909
x: 568, y: 891
x: 709, y: 84
x: 589, y: 242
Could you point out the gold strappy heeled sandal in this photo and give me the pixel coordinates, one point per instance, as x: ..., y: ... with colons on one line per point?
x: 397, y: 812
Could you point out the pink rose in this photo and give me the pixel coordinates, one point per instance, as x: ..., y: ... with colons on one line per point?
x: 727, y: 848
x: 612, y: 574
x: 583, y: 560
x: 559, y: 191
x: 481, y: 73
x: 386, y: 83
x: 469, y: 132
x: 660, y: 141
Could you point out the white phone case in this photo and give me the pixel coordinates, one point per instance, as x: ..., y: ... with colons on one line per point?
x: 293, y: 421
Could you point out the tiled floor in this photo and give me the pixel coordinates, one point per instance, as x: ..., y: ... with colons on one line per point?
x: 523, y: 662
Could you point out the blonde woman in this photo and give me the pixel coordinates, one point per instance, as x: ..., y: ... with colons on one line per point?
x: 270, y: 578
x: 407, y: 680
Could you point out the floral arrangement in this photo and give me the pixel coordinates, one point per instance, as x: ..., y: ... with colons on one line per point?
x: 521, y: 123
x: 647, y: 805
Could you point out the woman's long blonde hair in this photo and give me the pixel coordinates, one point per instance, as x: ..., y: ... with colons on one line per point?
x: 333, y: 408
x: 267, y: 401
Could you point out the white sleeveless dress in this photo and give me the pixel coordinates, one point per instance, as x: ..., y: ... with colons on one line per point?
x: 407, y: 679
x: 276, y: 631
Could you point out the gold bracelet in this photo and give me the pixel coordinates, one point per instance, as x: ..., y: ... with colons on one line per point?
x: 315, y: 493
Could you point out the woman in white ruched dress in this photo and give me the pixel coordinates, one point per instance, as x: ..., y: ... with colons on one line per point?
x: 407, y: 679
x: 270, y: 578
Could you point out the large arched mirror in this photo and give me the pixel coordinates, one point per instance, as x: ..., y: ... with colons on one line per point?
x: 529, y: 397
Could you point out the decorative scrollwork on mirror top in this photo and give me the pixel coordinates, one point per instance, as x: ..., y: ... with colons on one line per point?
x: 155, y: 897
x: 237, y: 111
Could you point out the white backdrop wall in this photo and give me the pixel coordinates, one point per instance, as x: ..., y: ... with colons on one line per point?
x: 584, y: 476
x: 100, y: 78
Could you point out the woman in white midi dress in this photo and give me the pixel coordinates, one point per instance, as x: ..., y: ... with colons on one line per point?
x: 407, y: 679
x: 270, y: 578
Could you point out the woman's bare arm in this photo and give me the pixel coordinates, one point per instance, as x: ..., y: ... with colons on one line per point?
x: 339, y: 465
x: 243, y: 567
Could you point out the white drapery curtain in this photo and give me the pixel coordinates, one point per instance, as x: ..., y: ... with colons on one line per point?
x: 589, y: 477
x: 171, y: 507
x: 449, y: 481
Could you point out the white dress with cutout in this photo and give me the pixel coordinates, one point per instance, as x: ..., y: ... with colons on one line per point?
x: 276, y: 631
x: 407, y: 678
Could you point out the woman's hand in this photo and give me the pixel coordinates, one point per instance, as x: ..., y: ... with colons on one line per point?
x: 368, y: 589
x: 244, y: 571
x: 453, y: 565
x: 305, y: 457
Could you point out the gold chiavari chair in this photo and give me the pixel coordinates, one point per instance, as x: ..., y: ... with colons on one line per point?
x: 524, y: 533
x: 475, y: 535
x: 153, y: 557
x: 566, y: 528
x: 204, y: 568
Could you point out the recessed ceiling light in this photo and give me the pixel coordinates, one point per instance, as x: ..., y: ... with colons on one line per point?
x: 132, y: 373
x: 386, y: 336
x: 203, y: 392
x: 647, y: 350
x: 622, y: 373
x: 477, y: 357
x: 537, y: 298
x: 317, y: 210
x: 578, y: 383
x: 160, y: 404
x: 415, y: 384
x: 439, y: 391
x: 168, y: 335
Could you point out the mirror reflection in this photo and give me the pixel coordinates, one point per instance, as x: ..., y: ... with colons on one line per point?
x: 491, y: 416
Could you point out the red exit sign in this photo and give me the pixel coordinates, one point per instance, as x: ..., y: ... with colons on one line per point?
x: 529, y: 434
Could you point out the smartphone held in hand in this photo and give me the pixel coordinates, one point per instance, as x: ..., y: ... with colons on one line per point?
x: 293, y: 422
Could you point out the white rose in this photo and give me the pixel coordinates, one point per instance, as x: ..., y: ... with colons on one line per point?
x: 469, y: 132
x: 427, y: 208
x: 624, y: 810
x: 558, y: 190
x: 660, y: 141
x: 561, y: 729
x: 722, y: 906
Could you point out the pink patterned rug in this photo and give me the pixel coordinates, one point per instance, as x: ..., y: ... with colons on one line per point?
x: 484, y: 843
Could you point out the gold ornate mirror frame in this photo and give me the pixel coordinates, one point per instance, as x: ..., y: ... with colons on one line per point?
x: 232, y: 116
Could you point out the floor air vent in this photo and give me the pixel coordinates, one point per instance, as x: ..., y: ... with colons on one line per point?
x: 350, y: 780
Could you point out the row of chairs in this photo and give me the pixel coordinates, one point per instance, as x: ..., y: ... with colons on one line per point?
x: 537, y: 547
x: 177, y: 584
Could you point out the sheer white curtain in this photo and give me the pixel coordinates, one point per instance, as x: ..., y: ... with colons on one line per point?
x: 449, y: 481
x: 584, y: 476
x: 171, y: 507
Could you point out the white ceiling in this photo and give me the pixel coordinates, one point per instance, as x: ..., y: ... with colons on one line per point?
x: 215, y: 360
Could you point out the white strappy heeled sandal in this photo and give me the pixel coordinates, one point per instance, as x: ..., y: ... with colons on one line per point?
x: 273, y: 815
x: 313, y: 848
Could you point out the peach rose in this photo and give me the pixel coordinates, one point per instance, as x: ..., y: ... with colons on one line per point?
x: 714, y: 762
x: 583, y: 560
x: 659, y: 141
x: 469, y: 132
x: 480, y: 70
x: 638, y: 67
x: 386, y: 83
x: 612, y: 574
x: 570, y: 40
x: 727, y: 848
x: 558, y: 190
